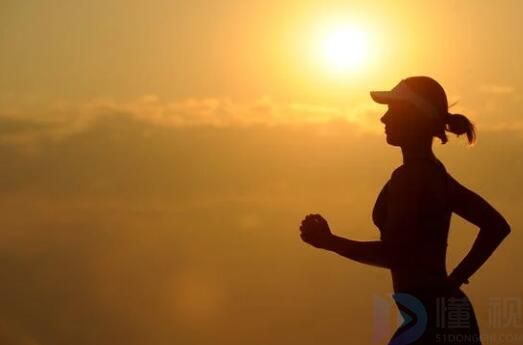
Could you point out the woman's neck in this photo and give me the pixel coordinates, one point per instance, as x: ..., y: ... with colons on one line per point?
x: 417, y: 152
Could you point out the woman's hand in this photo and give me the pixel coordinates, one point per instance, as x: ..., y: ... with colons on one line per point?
x: 315, y: 231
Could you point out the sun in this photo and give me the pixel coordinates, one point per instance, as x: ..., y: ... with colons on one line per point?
x: 344, y: 48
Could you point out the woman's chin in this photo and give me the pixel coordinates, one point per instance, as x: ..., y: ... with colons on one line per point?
x: 392, y: 141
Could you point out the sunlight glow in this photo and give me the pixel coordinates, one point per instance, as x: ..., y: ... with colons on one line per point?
x: 344, y: 48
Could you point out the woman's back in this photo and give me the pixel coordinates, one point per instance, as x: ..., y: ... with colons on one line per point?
x: 413, y: 214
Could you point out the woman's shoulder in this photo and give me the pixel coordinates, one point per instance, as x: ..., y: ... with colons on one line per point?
x: 419, y: 168
x: 422, y: 176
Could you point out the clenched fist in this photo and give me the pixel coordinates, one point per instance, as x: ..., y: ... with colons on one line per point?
x: 315, y: 231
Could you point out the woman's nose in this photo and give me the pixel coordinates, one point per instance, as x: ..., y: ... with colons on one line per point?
x: 386, y: 117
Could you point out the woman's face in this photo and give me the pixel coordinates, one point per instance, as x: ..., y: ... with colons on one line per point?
x: 404, y: 125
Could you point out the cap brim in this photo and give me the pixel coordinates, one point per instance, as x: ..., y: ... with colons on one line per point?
x: 382, y: 97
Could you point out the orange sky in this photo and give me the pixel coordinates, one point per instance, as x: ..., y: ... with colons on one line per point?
x: 158, y: 158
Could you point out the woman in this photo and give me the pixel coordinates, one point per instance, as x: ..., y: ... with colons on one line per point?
x: 412, y: 213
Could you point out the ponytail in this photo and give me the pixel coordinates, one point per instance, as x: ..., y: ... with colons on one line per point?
x: 459, y: 124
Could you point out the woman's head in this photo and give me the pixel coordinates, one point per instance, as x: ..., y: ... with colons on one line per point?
x: 418, y: 111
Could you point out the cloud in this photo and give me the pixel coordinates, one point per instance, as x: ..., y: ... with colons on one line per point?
x: 226, y: 113
x: 56, y: 121
x: 26, y: 127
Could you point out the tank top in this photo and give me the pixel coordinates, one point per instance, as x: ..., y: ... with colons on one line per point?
x: 415, y: 231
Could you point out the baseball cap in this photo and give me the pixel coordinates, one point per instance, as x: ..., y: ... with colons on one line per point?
x: 426, y: 94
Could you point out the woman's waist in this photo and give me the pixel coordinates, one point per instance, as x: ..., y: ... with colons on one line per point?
x: 432, y: 290
x: 407, y: 278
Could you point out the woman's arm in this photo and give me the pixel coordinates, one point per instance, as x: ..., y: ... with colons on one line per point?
x: 368, y: 252
x: 493, y: 228
x: 315, y: 231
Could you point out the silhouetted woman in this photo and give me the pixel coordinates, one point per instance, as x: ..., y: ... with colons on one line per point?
x: 412, y: 213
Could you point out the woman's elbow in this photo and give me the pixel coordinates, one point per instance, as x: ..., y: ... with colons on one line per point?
x: 501, y: 228
x: 505, y: 229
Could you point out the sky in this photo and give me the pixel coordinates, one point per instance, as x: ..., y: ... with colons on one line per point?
x: 158, y: 157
